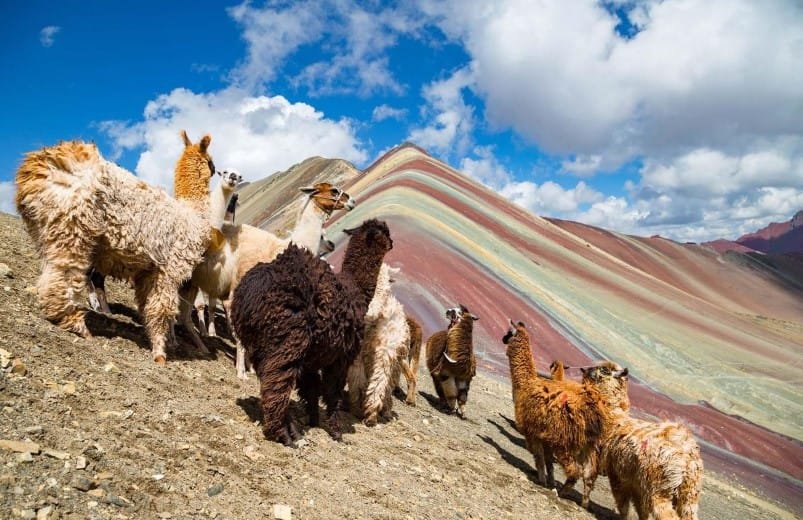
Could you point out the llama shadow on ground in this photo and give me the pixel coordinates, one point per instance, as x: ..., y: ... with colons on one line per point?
x: 105, y: 326
x: 251, y: 407
x: 435, y: 402
x: 599, y: 511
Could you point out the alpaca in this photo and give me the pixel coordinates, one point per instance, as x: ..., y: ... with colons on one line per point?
x: 409, y: 365
x: 657, y: 466
x: 295, y: 317
x: 83, y: 211
x: 451, y: 361
x: 564, y: 419
x: 190, y: 183
x: 245, y: 246
x: 219, y: 205
x: 384, y: 347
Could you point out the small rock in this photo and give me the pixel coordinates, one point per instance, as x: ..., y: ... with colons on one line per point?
x: 91, y: 504
x: 282, y: 512
x: 5, y: 271
x: 80, y: 462
x: 51, y: 482
x: 68, y: 387
x: 56, y: 454
x: 34, y: 430
x: 383, y: 463
x: 45, y: 513
x: 215, y: 490
x: 110, y: 367
x: 105, y: 475
x: 117, y: 501
x: 5, y: 358
x: 301, y: 443
x: 18, y: 367
x: 426, y: 422
x: 28, y: 514
x: 436, y: 477
x: 19, y: 446
x: 164, y: 515
x: 158, y: 477
x: 97, y: 493
x: 31, y: 289
x: 417, y: 438
x: 24, y: 457
x: 252, y: 452
x: 82, y: 483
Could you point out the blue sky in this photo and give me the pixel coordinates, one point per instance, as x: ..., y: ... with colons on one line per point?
x: 682, y: 118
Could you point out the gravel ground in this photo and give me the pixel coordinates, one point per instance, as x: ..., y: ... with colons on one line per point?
x: 94, y: 429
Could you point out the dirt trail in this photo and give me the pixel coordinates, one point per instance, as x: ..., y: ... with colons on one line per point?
x: 120, y: 437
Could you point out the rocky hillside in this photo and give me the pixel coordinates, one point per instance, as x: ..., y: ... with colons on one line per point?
x: 94, y: 429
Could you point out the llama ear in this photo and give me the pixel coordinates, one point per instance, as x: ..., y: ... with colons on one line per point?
x: 309, y: 190
x: 475, y: 318
x: 621, y: 374
x: 186, y: 139
x: 350, y: 231
x: 204, y: 144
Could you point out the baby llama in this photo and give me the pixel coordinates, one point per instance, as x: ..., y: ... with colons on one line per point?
x: 451, y: 361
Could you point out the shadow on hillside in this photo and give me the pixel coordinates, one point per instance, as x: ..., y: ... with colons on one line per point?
x: 435, y: 402
x: 251, y: 407
x: 104, y: 326
x: 599, y: 511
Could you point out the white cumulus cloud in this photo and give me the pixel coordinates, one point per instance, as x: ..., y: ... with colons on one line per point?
x: 256, y: 135
x: 382, y: 112
x: 7, y: 193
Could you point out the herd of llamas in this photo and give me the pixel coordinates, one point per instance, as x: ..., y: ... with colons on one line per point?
x: 340, y: 337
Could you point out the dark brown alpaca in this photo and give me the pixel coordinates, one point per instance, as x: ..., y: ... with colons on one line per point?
x: 451, y: 361
x: 295, y: 317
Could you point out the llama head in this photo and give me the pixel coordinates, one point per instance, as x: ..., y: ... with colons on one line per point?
x: 329, y: 198
x: 556, y: 369
x: 194, y: 169
x: 373, y: 234
x: 452, y: 314
x: 612, y: 382
x: 515, y: 330
x: 466, y: 314
x: 229, y: 179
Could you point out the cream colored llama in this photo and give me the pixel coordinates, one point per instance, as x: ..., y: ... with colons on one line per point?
x: 385, y: 346
x: 84, y: 212
x: 245, y: 246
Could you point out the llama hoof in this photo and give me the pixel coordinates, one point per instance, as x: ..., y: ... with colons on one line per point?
x: 370, y: 421
x: 160, y: 360
x: 243, y: 376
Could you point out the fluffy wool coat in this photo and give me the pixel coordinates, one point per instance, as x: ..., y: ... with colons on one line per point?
x: 384, y: 347
x: 656, y: 466
x: 564, y: 419
x: 83, y: 211
x: 302, y: 325
x: 451, y: 361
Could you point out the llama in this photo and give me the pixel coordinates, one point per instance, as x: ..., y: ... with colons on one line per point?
x: 409, y: 365
x: 657, y: 466
x: 190, y: 183
x: 245, y: 246
x: 295, y: 317
x: 220, y: 202
x: 384, y: 347
x: 564, y: 419
x: 84, y: 212
x: 451, y: 361
x: 557, y: 370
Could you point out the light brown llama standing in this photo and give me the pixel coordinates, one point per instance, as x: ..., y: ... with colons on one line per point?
x: 451, y: 361
x: 656, y: 466
x: 85, y: 212
x: 564, y: 419
x: 409, y: 365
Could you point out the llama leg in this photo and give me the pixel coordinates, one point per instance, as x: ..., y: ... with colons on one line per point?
x: 449, y: 386
x: 378, y: 385
x: 187, y: 296
x: 334, y: 378
x: 537, y: 449
x: 620, y: 495
x: 662, y: 509
x: 275, y: 386
x: 411, y: 379
x: 159, y: 298
x: 572, y: 471
x: 212, y: 306
x: 436, y: 382
x: 96, y: 283
x: 200, y: 305
x: 550, y: 467
x: 357, y: 383
x: 309, y: 389
x: 62, y: 280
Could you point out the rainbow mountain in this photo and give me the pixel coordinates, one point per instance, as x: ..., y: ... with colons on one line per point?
x: 712, y: 340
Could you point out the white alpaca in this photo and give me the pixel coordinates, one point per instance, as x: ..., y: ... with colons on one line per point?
x: 243, y: 246
x: 385, y: 345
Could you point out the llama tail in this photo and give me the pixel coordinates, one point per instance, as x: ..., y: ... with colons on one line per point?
x: 52, y: 176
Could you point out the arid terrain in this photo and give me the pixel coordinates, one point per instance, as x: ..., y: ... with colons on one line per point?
x: 94, y: 429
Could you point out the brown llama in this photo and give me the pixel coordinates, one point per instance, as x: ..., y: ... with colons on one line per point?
x: 302, y: 325
x: 451, y: 361
x: 656, y: 466
x: 564, y: 419
x: 410, y: 364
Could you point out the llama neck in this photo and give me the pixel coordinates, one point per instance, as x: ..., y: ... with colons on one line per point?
x: 189, y: 181
x: 307, y: 233
x: 218, y: 200
x: 363, y: 270
x: 459, y: 336
x: 522, y: 365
